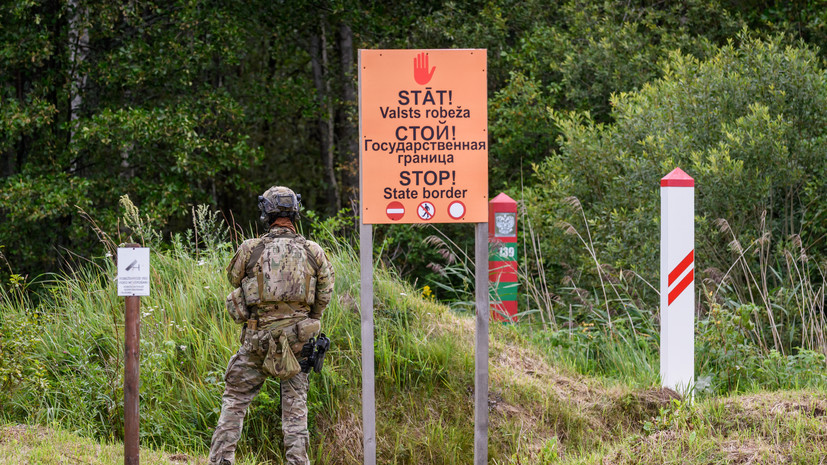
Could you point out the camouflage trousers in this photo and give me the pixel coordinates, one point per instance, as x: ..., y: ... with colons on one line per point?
x: 244, y: 379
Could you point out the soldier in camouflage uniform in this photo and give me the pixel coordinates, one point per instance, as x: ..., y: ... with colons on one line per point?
x: 283, y: 283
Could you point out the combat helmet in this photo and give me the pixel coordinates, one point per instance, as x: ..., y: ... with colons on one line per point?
x: 279, y: 201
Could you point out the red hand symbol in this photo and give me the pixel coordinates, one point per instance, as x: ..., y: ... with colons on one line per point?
x: 421, y: 74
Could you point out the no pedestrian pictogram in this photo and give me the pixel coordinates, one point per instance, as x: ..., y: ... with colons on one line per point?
x: 425, y: 210
x: 395, y: 210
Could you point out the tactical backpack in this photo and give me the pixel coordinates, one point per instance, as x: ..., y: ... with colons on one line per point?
x: 281, y: 268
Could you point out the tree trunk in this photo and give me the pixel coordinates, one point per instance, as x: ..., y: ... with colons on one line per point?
x: 78, y: 47
x: 319, y: 61
x: 349, y: 136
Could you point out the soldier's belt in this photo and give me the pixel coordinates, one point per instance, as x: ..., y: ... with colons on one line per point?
x: 298, y: 330
x: 273, y: 312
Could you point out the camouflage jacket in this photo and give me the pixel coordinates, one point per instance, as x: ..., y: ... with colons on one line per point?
x: 282, y: 269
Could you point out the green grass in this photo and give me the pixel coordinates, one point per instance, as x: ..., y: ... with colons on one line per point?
x: 22, y: 444
x: 763, y: 428
x: 568, y: 396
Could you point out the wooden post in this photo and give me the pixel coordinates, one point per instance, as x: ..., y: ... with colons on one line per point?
x: 481, y: 347
x: 366, y: 298
x: 131, y: 384
x: 131, y: 381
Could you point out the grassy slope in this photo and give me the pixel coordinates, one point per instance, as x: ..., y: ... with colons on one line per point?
x: 541, y: 412
x: 769, y: 428
x: 38, y: 445
x: 787, y: 427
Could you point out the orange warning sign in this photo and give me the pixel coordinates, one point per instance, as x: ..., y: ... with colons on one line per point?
x: 424, y: 136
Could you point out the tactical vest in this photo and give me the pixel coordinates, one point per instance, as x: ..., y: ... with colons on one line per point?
x: 281, y: 268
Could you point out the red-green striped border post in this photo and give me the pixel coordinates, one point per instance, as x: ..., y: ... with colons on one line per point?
x: 677, y: 282
x: 502, y: 257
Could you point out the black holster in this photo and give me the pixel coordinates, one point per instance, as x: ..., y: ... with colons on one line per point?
x: 313, y: 353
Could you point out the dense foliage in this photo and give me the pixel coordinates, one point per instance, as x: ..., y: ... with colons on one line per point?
x: 591, y: 102
x: 187, y: 102
x: 750, y: 126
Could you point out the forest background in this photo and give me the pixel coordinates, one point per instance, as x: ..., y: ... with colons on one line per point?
x: 186, y: 103
x: 161, y: 122
x: 197, y: 102
x: 178, y: 104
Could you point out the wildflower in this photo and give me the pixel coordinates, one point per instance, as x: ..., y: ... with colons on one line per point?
x: 426, y: 292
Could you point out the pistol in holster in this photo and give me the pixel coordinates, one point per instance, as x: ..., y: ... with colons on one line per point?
x: 313, y: 353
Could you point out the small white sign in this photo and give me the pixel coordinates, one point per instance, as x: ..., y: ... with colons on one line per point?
x: 133, y: 271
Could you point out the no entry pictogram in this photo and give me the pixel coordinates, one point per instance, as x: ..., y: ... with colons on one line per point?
x: 395, y: 211
x: 425, y: 211
x: 456, y: 210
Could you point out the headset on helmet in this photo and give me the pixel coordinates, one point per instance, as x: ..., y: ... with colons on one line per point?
x: 279, y: 201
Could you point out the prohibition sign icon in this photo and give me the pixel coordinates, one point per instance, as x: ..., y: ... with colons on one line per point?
x: 395, y: 210
x: 425, y: 210
x: 456, y: 209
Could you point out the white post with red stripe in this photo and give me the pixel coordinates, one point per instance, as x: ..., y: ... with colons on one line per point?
x: 677, y: 282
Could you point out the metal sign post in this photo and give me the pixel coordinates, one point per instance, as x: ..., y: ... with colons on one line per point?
x: 677, y: 282
x: 481, y: 347
x: 423, y: 158
x: 133, y: 282
x: 368, y: 376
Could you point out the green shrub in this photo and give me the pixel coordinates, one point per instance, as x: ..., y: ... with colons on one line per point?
x: 749, y: 124
x: 21, y: 337
x: 724, y: 354
x: 730, y: 355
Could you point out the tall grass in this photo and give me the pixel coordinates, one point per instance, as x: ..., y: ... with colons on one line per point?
x: 62, y: 357
x: 72, y: 329
x: 760, y: 321
x: 783, y: 285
